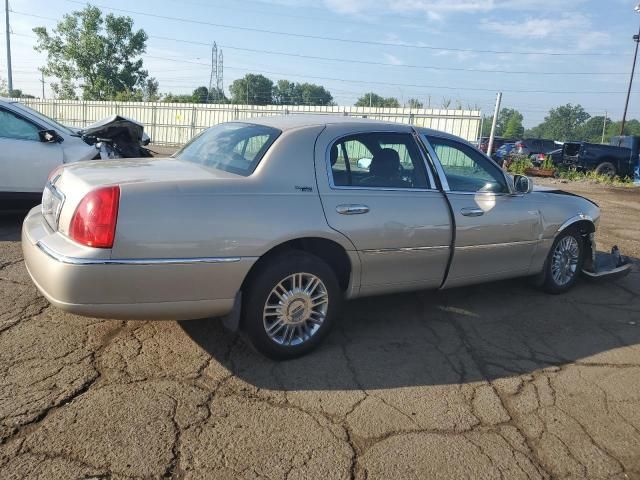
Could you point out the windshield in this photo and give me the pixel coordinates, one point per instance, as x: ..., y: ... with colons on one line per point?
x: 232, y: 147
x: 37, y: 114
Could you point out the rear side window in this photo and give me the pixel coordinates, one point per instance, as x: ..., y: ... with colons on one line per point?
x: 382, y: 160
x: 232, y: 147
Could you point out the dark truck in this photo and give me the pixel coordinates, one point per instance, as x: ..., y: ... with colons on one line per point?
x: 620, y: 157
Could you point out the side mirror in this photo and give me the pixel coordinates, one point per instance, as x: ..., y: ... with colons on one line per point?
x: 522, y: 184
x: 48, y: 136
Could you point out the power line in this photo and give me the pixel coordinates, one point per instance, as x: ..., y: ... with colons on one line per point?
x: 386, y: 64
x: 393, y: 84
x: 367, y: 62
x: 344, y: 40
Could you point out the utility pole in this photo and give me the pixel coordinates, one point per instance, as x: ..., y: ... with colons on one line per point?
x: 493, y: 124
x: 247, y: 84
x: 42, y: 82
x: 604, y: 125
x: 636, y: 38
x: 370, y: 100
x: 8, y: 33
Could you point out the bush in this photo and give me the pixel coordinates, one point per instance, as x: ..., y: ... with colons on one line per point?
x: 518, y: 165
x: 547, y: 163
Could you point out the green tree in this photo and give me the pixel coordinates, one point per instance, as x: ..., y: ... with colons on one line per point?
x: 311, y: 94
x: 374, y: 100
x: 200, y: 95
x: 414, y: 103
x: 148, y: 92
x: 178, y: 98
x: 291, y: 93
x: 591, y: 130
x: 252, y: 90
x: 95, y: 54
x: 513, y: 128
x: 563, y: 123
x: 631, y: 127
x: 504, y: 116
x: 286, y: 93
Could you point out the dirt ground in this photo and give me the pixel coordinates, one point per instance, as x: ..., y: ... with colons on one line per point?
x: 494, y: 381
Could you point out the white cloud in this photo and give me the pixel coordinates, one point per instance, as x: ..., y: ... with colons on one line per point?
x: 392, y: 59
x: 436, y: 9
x: 575, y: 30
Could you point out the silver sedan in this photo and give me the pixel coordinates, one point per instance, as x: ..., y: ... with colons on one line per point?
x: 272, y: 222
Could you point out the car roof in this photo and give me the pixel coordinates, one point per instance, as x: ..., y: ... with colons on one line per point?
x: 294, y: 121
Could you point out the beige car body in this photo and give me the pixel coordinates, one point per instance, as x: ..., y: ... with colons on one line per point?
x: 188, y: 236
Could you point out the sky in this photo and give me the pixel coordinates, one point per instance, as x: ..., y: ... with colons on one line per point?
x: 539, y: 53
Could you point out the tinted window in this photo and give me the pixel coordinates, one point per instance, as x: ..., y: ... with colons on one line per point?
x: 466, y: 169
x: 233, y: 147
x: 384, y: 160
x: 16, y: 128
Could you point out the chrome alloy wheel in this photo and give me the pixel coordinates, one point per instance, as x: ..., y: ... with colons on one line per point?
x: 295, y: 309
x: 564, y: 264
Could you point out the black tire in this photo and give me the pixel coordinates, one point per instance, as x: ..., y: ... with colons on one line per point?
x: 606, y: 168
x: 549, y: 283
x: 259, y: 290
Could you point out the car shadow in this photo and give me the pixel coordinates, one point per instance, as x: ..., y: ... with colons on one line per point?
x: 454, y: 336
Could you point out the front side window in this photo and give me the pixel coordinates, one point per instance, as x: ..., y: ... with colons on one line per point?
x: 466, y: 169
x: 233, y: 147
x: 384, y: 160
x: 17, y: 128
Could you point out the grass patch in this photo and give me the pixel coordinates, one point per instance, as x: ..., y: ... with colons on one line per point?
x: 576, y: 176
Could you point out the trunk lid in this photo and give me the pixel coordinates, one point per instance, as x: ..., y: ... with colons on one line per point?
x: 74, y: 181
x: 87, y: 175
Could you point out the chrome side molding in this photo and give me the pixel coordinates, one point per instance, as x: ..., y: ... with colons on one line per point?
x: 130, y: 261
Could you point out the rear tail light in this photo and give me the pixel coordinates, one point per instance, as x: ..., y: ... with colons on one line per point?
x: 94, y: 222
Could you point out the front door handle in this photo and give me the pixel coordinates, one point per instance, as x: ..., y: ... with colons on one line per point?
x: 352, y: 209
x: 472, y: 212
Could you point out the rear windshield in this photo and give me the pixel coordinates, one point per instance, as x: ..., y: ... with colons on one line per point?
x: 232, y: 147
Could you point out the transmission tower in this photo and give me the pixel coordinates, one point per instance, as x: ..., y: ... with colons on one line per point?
x: 213, y: 77
x: 220, y: 69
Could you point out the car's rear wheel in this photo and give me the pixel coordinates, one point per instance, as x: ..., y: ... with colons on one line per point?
x: 290, y: 305
x: 564, y: 263
x: 606, y: 168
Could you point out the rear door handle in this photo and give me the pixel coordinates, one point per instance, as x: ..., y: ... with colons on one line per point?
x: 472, y: 212
x: 352, y: 209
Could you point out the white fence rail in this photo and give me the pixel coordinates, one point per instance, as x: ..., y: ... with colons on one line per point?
x: 176, y: 123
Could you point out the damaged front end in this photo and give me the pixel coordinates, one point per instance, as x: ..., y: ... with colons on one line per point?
x: 117, y: 137
x: 600, y: 265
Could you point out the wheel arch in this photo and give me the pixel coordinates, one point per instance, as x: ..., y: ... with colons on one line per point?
x: 584, y: 223
x: 330, y: 251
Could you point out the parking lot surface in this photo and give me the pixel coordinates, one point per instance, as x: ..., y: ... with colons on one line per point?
x: 498, y: 380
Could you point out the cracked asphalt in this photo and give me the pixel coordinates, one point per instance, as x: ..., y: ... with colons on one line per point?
x: 493, y: 381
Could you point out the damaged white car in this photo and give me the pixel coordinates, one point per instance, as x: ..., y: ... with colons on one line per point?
x: 32, y: 145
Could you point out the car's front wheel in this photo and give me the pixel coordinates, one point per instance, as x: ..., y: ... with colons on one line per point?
x: 564, y: 263
x: 290, y: 305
